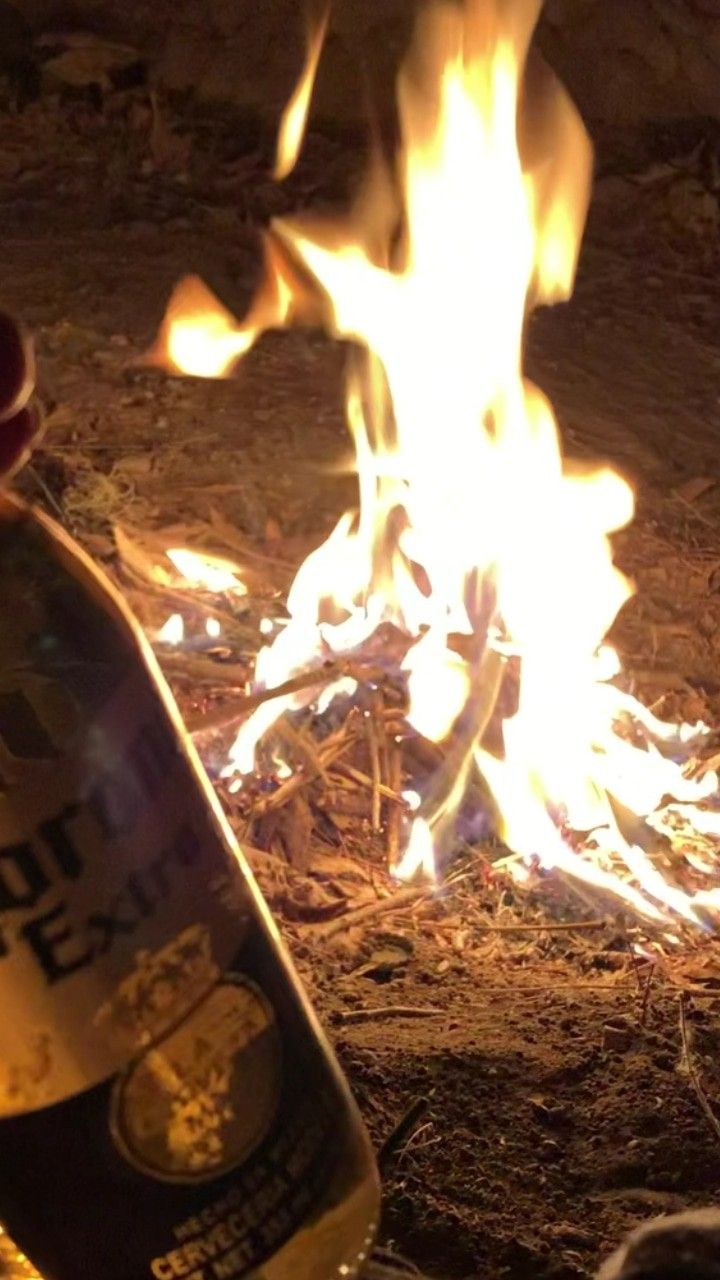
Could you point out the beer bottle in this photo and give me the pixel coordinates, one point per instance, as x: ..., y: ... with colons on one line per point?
x: 169, y: 1108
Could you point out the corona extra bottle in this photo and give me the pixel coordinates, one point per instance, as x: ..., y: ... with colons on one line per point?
x: 169, y: 1108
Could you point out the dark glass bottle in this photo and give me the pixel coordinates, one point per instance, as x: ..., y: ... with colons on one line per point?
x: 169, y: 1108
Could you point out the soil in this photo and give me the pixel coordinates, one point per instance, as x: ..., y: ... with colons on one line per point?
x: 551, y: 1106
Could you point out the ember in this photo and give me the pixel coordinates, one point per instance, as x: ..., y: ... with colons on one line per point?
x: 474, y: 587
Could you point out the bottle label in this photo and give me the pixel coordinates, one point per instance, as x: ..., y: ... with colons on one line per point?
x: 104, y: 854
x: 199, y: 1160
x: 181, y: 1111
x: 107, y: 846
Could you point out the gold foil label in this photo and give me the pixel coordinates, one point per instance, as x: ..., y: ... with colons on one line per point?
x: 107, y: 851
x: 204, y: 1093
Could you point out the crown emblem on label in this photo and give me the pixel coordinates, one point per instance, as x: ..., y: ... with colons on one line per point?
x: 161, y: 990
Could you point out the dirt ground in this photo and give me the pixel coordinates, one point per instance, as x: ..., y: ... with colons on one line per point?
x: 546, y: 1077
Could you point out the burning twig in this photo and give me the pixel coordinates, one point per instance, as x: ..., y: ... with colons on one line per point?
x: 369, y: 911
x: 192, y: 666
x: 305, y: 747
x: 562, y: 926
x: 395, y: 814
x: 362, y: 780
x: 285, y: 792
x: 689, y: 1064
x: 325, y: 755
x: 320, y: 677
x: 374, y: 753
x: 381, y: 722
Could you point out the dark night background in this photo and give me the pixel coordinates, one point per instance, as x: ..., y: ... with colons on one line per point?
x: 626, y: 62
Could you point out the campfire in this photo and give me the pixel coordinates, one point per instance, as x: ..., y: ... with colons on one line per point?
x: 440, y: 667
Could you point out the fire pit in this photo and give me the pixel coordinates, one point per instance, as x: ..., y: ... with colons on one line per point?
x: 465, y: 604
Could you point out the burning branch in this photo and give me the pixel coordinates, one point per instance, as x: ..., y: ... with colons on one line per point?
x: 311, y: 681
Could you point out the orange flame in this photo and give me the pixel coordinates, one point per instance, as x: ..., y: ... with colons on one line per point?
x: 294, y: 118
x: 200, y: 338
x: 205, y: 572
x: 470, y: 524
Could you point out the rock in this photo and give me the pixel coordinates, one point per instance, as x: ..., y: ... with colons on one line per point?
x: 685, y: 1246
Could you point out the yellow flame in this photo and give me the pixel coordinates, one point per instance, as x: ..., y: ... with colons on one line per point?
x: 206, y: 572
x: 199, y: 337
x: 172, y: 631
x: 283, y: 770
x: 474, y: 536
x: 419, y: 856
x: 294, y: 118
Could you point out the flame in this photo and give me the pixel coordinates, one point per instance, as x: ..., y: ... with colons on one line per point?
x: 205, y: 572
x: 172, y: 631
x: 294, y: 117
x: 419, y: 855
x: 283, y: 770
x: 200, y: 338
x: 473, y: 536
